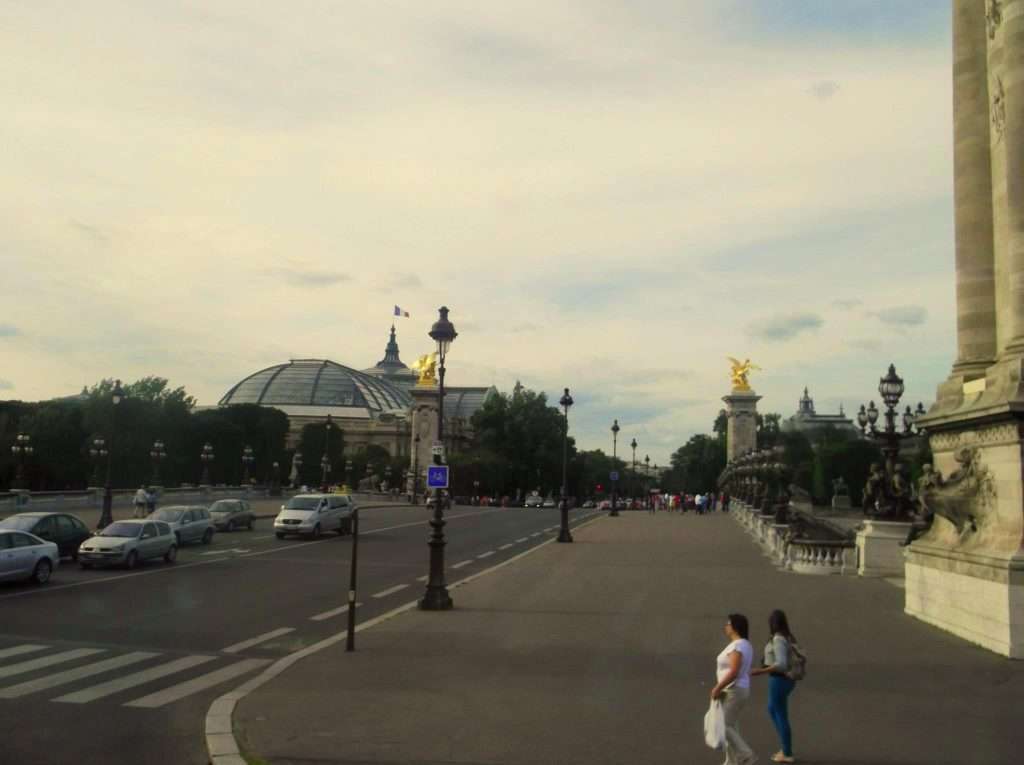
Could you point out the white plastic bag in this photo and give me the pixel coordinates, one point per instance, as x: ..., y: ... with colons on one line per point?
x: 714, y: 725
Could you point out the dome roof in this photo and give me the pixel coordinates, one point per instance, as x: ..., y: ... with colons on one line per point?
x: 318, y: 382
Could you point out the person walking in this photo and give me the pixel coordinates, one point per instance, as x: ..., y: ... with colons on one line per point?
x: 733, y: 687
x: 776, y: 664
x: 139, y: 503
x: 150, y: 500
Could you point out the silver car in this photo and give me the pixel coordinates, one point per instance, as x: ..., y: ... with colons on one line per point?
x: 190, y: 523
x: 26, y: 556
x: 231, y: 514
x: 128, y: 543
x: 312, y: 514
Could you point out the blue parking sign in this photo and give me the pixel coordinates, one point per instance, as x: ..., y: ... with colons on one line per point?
x: 614, y: 475
x: 437, y: 477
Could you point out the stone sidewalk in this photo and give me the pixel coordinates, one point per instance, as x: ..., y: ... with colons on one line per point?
x: 603, y: 652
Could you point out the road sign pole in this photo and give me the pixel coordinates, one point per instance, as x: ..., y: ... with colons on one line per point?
x: 350, y: 639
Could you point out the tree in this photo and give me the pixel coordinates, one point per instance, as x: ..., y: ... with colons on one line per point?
x: 696, y: 465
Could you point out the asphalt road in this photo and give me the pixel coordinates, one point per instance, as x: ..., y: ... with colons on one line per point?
x: 109, y: 666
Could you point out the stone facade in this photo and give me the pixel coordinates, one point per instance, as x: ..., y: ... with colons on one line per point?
x: 741, y: 413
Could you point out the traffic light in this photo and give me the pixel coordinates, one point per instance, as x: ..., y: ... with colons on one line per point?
x: 600, y: 487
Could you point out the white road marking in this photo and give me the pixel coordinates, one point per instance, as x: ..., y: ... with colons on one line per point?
x: 333, y: 612
x: 464, y: 563
x: 231, y: 550
x: 537, y: 534
x: 71, y: 675
x: 267, y: 536
x: 389, y: 591
x: 46, y: 661
x: 201, y: 683
x: 505, y: 547
x: 20, y: 649
x: 130, y: 681
x: 487, y: 554
x: 521, y: 540
x: 236, y: 647
x: 422, y: 578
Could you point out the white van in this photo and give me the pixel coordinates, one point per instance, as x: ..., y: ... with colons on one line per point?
x: 313, y: 514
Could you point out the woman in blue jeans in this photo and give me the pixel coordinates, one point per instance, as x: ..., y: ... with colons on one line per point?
x: 776, y: 665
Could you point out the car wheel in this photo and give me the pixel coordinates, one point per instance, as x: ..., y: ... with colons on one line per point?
x: 316, y: 531
x: 42, y: 572
x: 208, y: 536
x: 74, y: 554
x: 250, y: 525
x: 132, y: 560
x: 171, y: 555
x: 279, y: 535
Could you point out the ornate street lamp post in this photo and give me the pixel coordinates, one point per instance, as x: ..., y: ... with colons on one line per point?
x: 889, y: 495
x: 297, y: 462
x: 97, y: 451
x: 158, y: 453
x: 247, y: 459
x: 632, y: 476
x: 21, y: 449
x: 206, y: 456
x: 275, y: 479
x: 436, y: 597
x: 325, y: 460
x: 647, y: 481
x: 563, y: 531
x: 615, y: 482
x: 107, y: 516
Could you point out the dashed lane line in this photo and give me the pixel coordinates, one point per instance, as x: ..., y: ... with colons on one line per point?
x: 521, y: 540
x: 389, y: 591
x: 241, y: 646
x: 422, y: 578
x: 487, y: 554
x: 332, y: 613
x: 463, y: 563
x: 505, y: 547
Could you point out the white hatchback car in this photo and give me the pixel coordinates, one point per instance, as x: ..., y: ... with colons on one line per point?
x: 313, y: 514
x: 26, y: 556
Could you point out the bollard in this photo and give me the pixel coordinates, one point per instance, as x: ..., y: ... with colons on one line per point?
x: 350, y: 639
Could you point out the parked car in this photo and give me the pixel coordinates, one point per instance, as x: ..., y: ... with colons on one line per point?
x: 534, y: 500
x: 549, y: 503
x: 231, y: 514
x: 312, y: 514
x: 128, y: 543
x: 589, y: 504
x: 64, y: 530
x: 26, y: 556
x: 189, y: 523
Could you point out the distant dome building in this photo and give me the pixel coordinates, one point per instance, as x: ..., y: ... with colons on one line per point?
x: 808, y: 421
x: 391, y: 368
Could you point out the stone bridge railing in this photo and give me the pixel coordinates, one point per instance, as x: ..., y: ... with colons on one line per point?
x: 800, y: 555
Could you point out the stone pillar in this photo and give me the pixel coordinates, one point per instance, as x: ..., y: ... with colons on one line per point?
x: 741, y: 411
x: 424, y: 425
x: 972, y: 161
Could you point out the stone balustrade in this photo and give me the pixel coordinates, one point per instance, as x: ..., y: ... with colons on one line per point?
x: 808, y: 556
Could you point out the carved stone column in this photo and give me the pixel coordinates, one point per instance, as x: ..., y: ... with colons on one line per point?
x: 424, y: 425
x: 741, y: 411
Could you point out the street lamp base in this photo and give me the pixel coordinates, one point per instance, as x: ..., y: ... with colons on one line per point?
x: 436, y: 599
x: 107, y: 516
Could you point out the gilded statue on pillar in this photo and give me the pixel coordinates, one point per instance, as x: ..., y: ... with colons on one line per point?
x: 740, y: 373
x: 427, y: 369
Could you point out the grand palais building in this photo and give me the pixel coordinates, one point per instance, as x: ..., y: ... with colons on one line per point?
x: 372, y: 406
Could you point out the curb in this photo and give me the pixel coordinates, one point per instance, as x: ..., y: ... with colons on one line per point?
x: 221, y: 744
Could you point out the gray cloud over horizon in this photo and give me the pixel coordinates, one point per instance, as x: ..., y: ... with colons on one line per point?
x: 785, y: 327
x: 902, y: 316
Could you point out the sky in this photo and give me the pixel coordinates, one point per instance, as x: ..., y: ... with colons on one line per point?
x: 609, y: 195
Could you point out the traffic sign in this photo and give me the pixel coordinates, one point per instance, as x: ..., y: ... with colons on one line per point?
x: 614, y: 475
x: 437, y: 448
x: 437, y: 477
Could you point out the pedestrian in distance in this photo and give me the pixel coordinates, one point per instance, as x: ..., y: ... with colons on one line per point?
x: 139, y: 503
x: 150, y: 500
x: 732, y: 671
x: 778, y: 654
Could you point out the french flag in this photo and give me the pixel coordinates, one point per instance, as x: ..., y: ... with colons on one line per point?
x: 400, y: 312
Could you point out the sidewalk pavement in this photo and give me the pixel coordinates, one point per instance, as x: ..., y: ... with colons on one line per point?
x: 603, y: 652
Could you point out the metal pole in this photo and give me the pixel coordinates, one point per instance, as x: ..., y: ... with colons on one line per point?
x: 615, y: 484
x: 436, y: 597
x: 107, y: 516
x: 350, y: 638
x: 563, y: 533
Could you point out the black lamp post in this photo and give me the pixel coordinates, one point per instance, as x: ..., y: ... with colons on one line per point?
x: 297, y: 462
x: 563, y: 532
x: 158, y: 453
x: 436, y: 597
x: 107, y: 516
x: 647, y: 480
x: 98, y: 451
x: 615, y: 483
x: 21, y: 449
x: 206, y: 456
x: 275, y: 479
x: 247, y: 459
x: 416, y: 469
x: 892, y: 496
x: 632, y: 475
x: 325, y: 460
x: 348, y: 475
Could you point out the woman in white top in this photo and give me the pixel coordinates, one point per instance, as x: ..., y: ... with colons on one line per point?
x: 733, y: 687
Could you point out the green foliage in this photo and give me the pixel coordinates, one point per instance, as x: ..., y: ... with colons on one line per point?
x: 695, y: 466
x: 519, y: 445
x: 311, y: 444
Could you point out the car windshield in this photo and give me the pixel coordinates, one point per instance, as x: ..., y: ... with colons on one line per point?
x: 303, y: 503
x: 169, y: 514
x: 222, y: 507
x: 20, y: 522
x: 122, y: 530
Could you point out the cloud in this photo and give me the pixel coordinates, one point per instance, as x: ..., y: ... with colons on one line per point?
x: 865, y: 344
x: 93, y: 233
x: 9, y: 330
x: 824, y: 89
x: 785, y: 327
x: 902, y: 316
x: 847, y: 305
x: 309, y: 277
x: 6, y: 385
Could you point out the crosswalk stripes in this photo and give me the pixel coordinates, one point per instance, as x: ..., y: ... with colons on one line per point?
x: 38, y: 668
